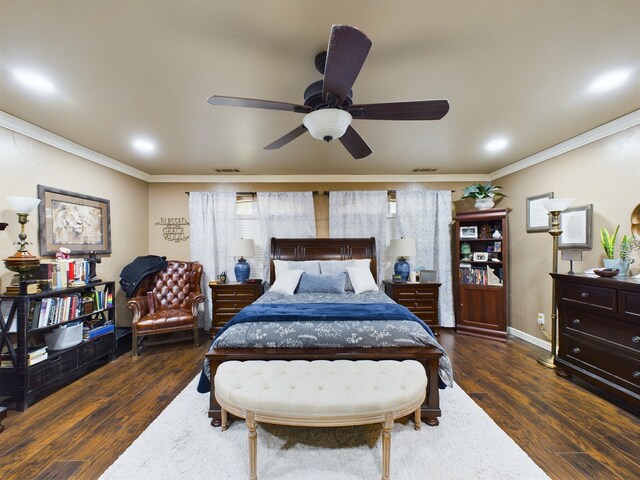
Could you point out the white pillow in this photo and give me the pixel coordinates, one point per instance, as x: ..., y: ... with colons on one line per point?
x: 286, y: 282
x: 362, y: 280
x: 309, y: 266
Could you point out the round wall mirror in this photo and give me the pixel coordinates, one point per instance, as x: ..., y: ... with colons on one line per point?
x: 635, y: 221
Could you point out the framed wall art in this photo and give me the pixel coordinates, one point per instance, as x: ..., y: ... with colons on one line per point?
x: 538, y: 219
x: 78, y: 222
x: 575, y: 224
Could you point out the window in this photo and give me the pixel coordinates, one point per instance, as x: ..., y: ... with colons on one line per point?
x: 248, y: 226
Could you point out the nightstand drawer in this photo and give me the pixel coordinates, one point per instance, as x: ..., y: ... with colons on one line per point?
x: 616, y: 332
x: 225, y: 293
x: 231, y: 306
x: 589, y: 295
x: 428, y: 317
x: 418, y: 303
x: 415, y: 292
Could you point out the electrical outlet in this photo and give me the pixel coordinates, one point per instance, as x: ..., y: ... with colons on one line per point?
x: 541, y: 318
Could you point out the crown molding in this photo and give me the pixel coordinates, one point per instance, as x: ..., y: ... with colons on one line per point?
x: 28, y: 129
x: 317, y: 178
x: 615, y: 126
x: 32, y: 131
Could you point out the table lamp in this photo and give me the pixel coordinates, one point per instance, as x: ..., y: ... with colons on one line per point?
x: 242, y: 247
x: 402, y: 248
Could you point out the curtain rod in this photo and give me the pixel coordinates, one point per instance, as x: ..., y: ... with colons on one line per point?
x: 315, y: 192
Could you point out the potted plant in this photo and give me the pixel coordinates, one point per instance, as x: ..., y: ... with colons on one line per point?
x: 483, y: 194
x: 627, y: 246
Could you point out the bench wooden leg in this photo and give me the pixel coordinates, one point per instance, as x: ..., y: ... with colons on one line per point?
x: 253, y: 444
x: 386, y: 444
x: 417, y: 422
x: 225, y: 420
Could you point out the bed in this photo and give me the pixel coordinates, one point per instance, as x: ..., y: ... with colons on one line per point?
x: 317, y: 320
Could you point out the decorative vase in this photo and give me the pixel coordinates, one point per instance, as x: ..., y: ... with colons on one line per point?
x: 242, y: 270
x: 621, y: 265
x: 484, y: 203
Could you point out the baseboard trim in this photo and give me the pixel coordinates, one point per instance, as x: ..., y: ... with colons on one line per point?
x: 529, y: 338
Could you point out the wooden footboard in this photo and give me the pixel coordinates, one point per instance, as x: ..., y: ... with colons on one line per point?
x: 427, y: 356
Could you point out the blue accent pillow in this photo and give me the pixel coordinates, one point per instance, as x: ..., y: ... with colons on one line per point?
x: 311, y: 283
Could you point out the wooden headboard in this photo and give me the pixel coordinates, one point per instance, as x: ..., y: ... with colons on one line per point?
x: 300, y: 249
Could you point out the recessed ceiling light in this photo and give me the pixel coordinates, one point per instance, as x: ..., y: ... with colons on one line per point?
x: 496, y: 144
x: 143, y: 145
x: 609, y: 81
x: 35, y: 82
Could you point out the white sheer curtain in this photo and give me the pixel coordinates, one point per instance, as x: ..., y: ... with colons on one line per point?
x: 425, y: 215
x: 284, y: 215
x: 360, y: 214
x: 213, y: 217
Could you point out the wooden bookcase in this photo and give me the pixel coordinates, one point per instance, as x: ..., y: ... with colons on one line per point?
x: 22, y: 384
x: 481, y: 284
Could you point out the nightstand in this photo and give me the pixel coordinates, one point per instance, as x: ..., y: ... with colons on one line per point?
x: 420, y: 298
x: 227, y: 299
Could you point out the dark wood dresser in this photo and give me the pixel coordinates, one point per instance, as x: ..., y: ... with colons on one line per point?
x: 227, y: 299
x: 599, y: 332
x: 420, y: 298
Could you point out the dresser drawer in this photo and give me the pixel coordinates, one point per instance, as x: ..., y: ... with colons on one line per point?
x: 615, y: 332
x: 428, y: 317
x: 620, y: 369
x: 600, y: 297
x: 630, y: 305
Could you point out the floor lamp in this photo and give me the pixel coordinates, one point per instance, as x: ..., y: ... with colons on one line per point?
x: 554, y: 206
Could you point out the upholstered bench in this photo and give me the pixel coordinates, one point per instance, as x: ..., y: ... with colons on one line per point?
x: 320, y: 393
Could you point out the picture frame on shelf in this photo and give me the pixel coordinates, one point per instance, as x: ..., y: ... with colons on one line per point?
x: 538, y: 219
x: 79, y: 222
x: 576, y: 225
x: 470, y: 231
x: 480, y: 257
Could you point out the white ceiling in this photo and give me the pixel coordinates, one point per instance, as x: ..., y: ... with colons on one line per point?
x: 516, y: 68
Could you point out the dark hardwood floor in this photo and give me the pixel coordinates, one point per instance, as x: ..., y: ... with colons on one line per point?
x: 568, y: 431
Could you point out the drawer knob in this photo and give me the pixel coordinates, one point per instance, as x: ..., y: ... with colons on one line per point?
x: 576, y: 321
x: 575, y: 350
x: 635, y: 339
x: 584, y: 295
x: 636, y: 374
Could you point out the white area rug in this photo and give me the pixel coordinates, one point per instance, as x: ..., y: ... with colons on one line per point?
x: 181, y: 443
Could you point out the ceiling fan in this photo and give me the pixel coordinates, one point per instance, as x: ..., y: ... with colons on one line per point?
x: 328, y: 103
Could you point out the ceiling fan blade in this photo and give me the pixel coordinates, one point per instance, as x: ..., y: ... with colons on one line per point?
x: 348, y: 48
x: 420, y: 110
x: 282, y: 141
x: 354, y: 143
x: 253, y: 103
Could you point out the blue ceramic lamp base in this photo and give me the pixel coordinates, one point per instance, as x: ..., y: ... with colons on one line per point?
x: 242, y: 270
x: 402, y: 268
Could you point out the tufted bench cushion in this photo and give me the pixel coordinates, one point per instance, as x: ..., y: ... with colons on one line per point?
x: 321, y: 393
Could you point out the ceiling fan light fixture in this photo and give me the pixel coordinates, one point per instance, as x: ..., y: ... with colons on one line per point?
x: 327, y: 124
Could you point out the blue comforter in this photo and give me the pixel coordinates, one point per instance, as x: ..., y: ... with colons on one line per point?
x: 324, y: 312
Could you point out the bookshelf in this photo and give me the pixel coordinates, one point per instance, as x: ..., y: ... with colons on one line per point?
x: 30, y: 367
x: 481, y: 272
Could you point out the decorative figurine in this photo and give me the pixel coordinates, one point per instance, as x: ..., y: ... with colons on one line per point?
x: 485, y: 231
x: 92, y: 260
x: 465, y: 251
x: 63, y: 253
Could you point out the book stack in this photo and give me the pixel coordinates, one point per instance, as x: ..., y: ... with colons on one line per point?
x: 37, y: 355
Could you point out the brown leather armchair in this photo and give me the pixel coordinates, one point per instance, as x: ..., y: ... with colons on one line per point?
x: 175, y: 293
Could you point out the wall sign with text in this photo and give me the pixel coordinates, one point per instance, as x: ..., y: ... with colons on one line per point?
x: 173, y: 228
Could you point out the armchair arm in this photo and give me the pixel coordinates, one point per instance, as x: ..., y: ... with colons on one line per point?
x: 139, y: 306
x: 195, y: 299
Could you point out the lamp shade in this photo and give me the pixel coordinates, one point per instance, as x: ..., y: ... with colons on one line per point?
x: 556, y: 204
x: 327, y: 124
x: 22, y: 204
x: 402, y: 247
x: 242, y: 247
